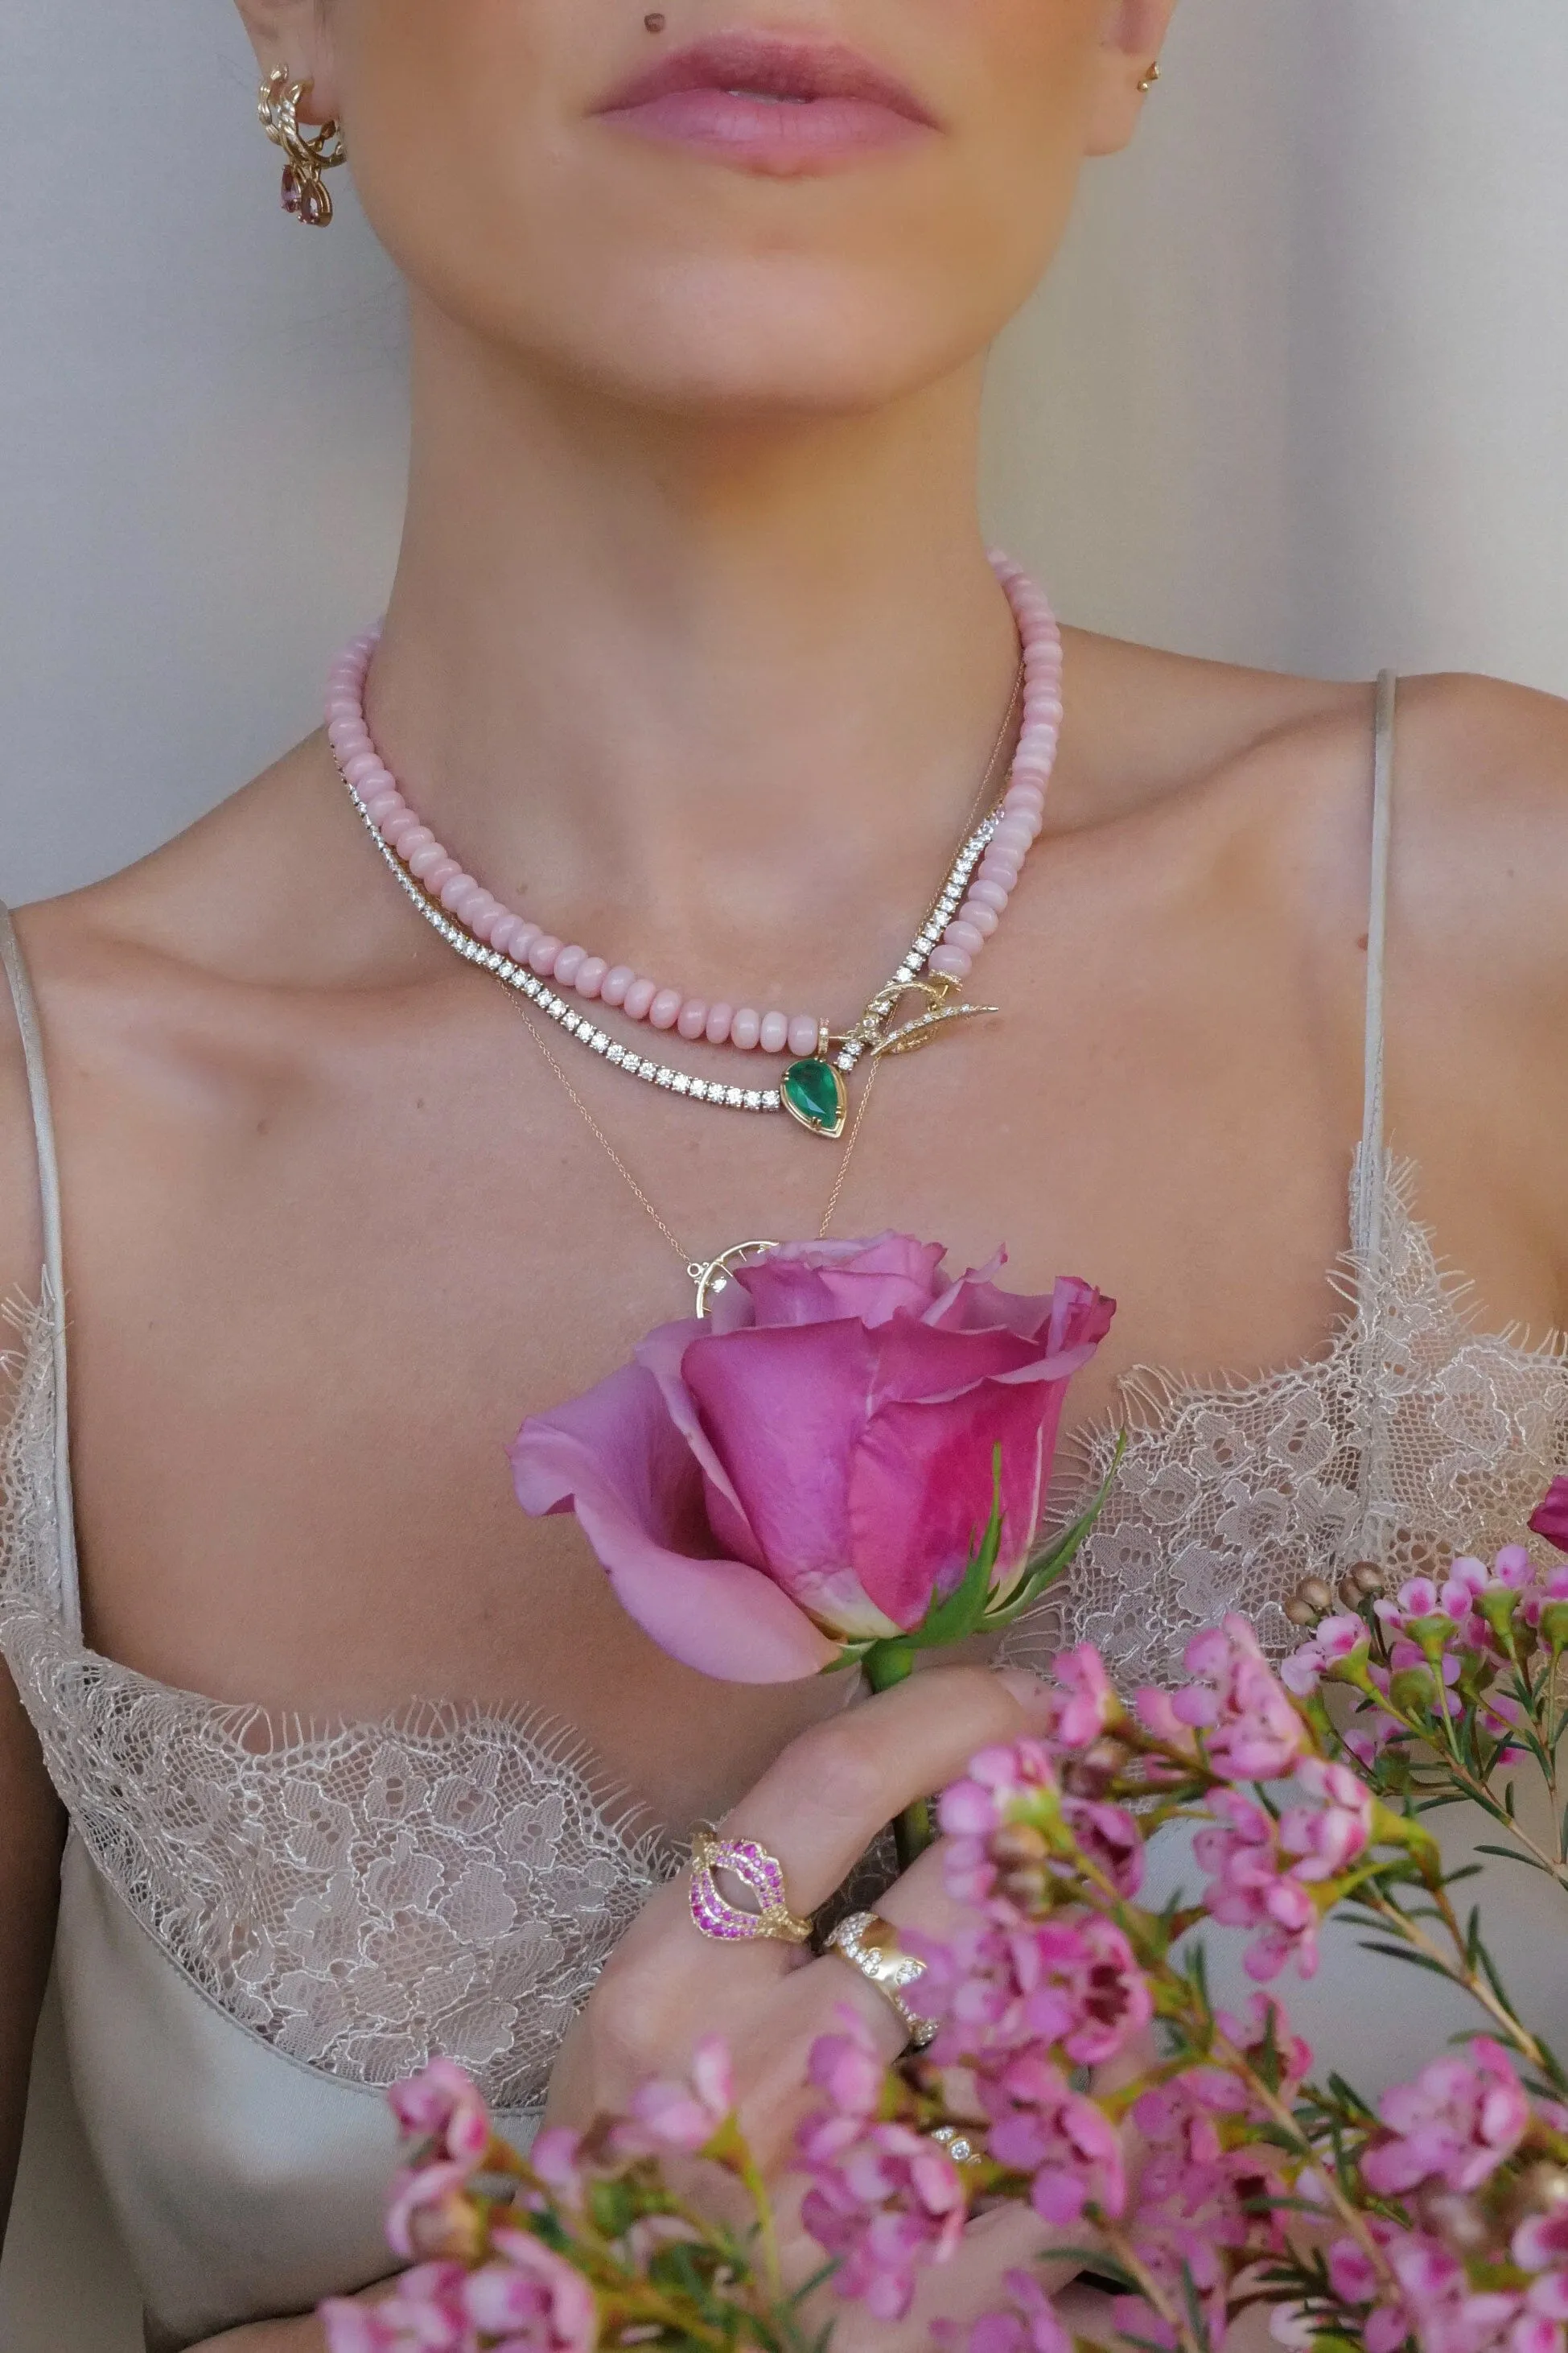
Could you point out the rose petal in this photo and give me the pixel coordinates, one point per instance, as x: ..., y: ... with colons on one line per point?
x: 922, y: 1488
x: 784, y: 1408
x: 615, y: 1457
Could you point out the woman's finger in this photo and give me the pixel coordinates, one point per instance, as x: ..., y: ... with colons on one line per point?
x: 821, y: 1805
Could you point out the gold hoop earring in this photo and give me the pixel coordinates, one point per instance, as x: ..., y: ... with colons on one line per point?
x: 307, y: 154
x: 1149, y: 79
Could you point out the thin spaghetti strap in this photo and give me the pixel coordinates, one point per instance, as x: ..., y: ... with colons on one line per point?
x: 1372, y: 1165
x: 23, y: 998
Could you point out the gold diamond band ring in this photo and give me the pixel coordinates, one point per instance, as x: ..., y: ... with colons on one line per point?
x: 870, y: 1944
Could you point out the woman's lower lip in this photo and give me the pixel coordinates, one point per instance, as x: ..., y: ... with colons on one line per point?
x: 781, y: 136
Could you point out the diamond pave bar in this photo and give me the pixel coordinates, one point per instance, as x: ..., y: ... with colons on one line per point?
x: 626, y: 1057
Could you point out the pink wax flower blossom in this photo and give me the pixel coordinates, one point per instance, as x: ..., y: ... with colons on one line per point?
x: 532, y: 2299
x: 815, y: 1466
x: 1250, y: 1730
x: 1067, y: 1984
x: 849, y: 2067
x: 1029, y: 2324
x: 1335, y: 1639
x: 1327, y: 1838
x: 1253, y: 1886
x: 1087, y: 1702
x: 1267, y: 2028
x: 443, y: 2105
x: 1457, y: 2122
x: 971, y: 1812
x: 680, y: 2118
x: 1541, y: 2242
x: 882, y: 2199
x: 1550, y: 1520
x: 1109, y: 1837
x: 426, y: 2312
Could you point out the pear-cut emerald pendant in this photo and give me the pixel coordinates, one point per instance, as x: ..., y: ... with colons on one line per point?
x: 814, y: 1094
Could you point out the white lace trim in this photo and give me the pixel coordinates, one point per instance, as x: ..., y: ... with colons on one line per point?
x: 452, y: 1881
x: 1412, y: 1438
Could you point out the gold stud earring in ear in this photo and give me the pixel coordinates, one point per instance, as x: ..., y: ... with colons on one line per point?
x: 1150, y: 77
x: 307, y: 155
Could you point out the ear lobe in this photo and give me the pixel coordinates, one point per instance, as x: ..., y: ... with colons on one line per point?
x: 290, y: 33
x: 1130, y: 47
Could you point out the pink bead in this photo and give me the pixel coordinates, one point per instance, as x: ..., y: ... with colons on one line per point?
x: 775, y: 1032
x: 988, y: 894
x: 997, y: 868
x: 804, y: 1031
x: 446, y: 870
x: 507, y: 935
x: 640, y: 996
x: 458, y: 894
x: 1011, y: 835
x: 363, y: 769
x: 569, y: 963
x: 542, y: 953
x: 348, y: 741
x: 420, y: 838
x: 693, y: 1019
x: 663, y: 1009
x: 590, y: 977
x: 746, y: 1029
x: 617, y: 981
x: 380, y: 806
x: 716, y: 1028
x: 960, y: 934
x: 953, y: 962
x: 400, y: 829
x: 979, y: 917
x: 423, y: 859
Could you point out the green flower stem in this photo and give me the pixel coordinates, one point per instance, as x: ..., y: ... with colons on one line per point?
x: 889, y: 1664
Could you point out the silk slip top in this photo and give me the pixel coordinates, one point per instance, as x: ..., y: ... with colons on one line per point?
x: 264, y: 1924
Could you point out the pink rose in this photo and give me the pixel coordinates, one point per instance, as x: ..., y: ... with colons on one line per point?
x: 814, y: 1466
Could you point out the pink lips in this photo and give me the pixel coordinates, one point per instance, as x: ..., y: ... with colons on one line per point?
x: 766, y: 105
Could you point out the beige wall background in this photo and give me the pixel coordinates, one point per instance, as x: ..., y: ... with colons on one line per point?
x: 1295, y: 396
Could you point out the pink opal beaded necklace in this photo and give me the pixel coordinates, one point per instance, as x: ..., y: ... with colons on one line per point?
x: 966, y: 911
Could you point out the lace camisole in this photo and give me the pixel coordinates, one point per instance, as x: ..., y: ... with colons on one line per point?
x: 263, y: 1924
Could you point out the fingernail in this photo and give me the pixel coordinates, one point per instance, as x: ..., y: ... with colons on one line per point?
x: 1033, y: 1695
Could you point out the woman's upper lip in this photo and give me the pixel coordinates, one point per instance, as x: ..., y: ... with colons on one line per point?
x: 766, y: 65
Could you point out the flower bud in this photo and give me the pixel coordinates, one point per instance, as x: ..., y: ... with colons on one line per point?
x: 1497, y: 1605
x: 1300, y: 1613
x: 1554, y: 1625
x: 1367, y: 1575
x: 1349, y: 1593
x: 1459, y: 2222
x: 1414, y: 1690
x: 1541, y: 2189
x: 1018, y: 1842
x: 1311, y: 1596
x: 1025, y: 1886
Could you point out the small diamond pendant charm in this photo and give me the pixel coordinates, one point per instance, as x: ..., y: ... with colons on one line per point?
x: 713, y: 1275
x: 815, y: 1094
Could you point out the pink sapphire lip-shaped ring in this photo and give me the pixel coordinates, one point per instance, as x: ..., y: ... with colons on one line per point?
x: 754, y: 1867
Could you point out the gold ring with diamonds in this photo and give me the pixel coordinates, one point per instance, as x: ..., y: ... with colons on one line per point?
x: 870, y: 1944
x: 754, y: 1867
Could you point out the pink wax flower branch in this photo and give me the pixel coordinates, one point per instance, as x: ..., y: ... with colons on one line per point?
x: 1197, y: 2162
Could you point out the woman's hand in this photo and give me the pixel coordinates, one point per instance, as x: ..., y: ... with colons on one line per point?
x: 817, y: 1809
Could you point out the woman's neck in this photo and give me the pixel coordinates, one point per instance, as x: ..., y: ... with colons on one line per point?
x: 628, y: 662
